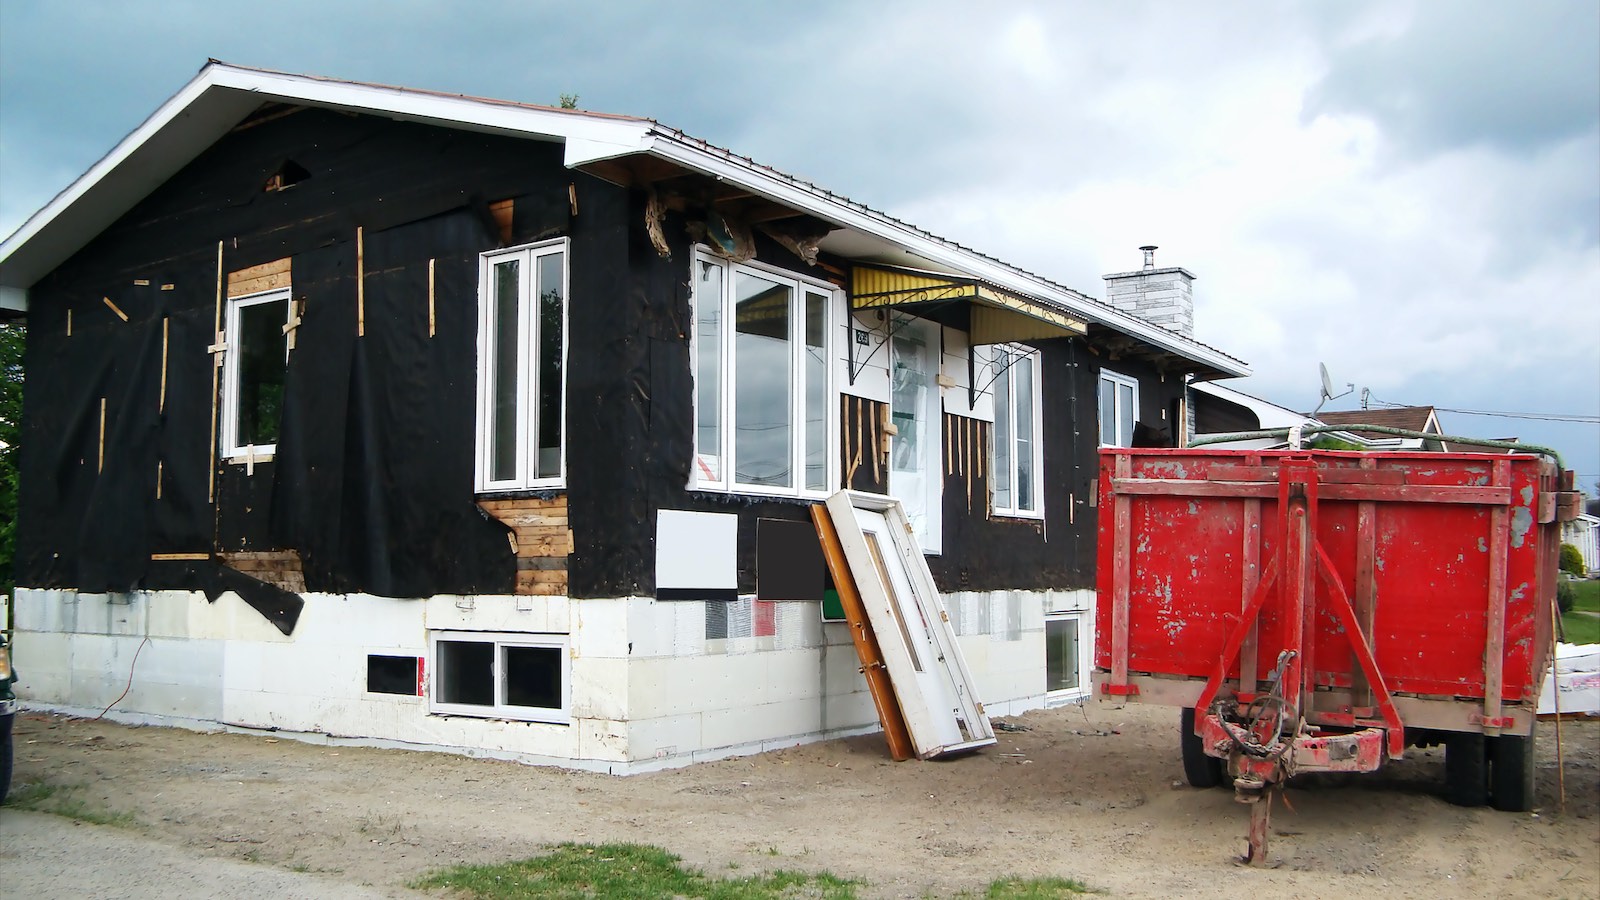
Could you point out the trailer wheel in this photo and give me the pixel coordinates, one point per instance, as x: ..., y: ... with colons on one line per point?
x: 1466, y: 769
x: 1202, y: 771
x: 1511, y: 773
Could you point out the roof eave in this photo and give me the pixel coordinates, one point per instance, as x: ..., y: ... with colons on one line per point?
x: 675, y: 147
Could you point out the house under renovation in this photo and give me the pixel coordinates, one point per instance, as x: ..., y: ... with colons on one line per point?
x: 412, y: 418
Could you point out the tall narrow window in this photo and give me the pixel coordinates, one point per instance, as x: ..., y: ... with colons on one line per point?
x: 814, y: 366
x: 1119, y: 408
x: 762, y: 413
x: 522, y: 367
x: 763, y: 382
x: 1016, y: 482
x: 253, y: 373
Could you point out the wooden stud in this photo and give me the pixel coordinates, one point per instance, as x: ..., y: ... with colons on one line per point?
x: 216, y: 374
x: 179, y: 556
x: 116, y: 309
x: 141, y: 282
x: 430, y: 298
x: 168, y: 287
x: 165, y: 330
x: 361, y: 284
x: 879, y: 451
x: 100, y: 463
x: 158, y: 479
x: 69, y: 321
x: 572, y: 198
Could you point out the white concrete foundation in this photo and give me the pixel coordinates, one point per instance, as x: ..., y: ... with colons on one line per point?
x: 651, y: 684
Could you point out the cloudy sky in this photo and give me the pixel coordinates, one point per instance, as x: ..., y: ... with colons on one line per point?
x: 1406, y: 191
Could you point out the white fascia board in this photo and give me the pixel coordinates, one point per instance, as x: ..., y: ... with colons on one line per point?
x: 441, y: 109
x: 730, y: 168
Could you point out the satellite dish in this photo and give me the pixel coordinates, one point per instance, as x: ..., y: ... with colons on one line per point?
x: 1327, y: 388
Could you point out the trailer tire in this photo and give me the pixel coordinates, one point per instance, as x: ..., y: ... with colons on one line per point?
x: 1202, y: 771
x: 1466, y: 769
x: 1511, y: 773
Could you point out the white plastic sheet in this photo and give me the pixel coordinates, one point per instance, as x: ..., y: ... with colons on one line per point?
x: 1575, y: 679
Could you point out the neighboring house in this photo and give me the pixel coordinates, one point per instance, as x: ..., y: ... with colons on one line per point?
x: 448, y: 422
x: 1221, y: 410
x: 1583, y: 532
x: 1412, y: 418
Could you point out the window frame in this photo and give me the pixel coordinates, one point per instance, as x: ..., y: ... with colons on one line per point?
x: 528, y: 387
x: 800, y: 286
x: 1116, y: 380
x: 500, y: 640
x: 1076, y: 694
x: 1036, y: 449
x: 231, y: 449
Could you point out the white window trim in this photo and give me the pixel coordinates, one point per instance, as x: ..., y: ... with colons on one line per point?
x: 1015, y: 512
x: 1115, y: 379
x: 1081, y: 692
x: 232, y: 450
x: 501, y: 709
x: 528, y: 370
x: 800, y: 284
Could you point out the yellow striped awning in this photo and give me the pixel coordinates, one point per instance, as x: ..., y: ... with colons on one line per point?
x: 998, y: 315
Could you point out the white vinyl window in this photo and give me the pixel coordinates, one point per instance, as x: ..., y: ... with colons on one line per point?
x: 254, y: 368
x: 763, y: 415
x: 500, y: 675
x: 1016, y: 483
x: 522, y: 356
x: 1119, y: 408
x: 1065, y: 663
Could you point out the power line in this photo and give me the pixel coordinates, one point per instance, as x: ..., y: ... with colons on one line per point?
x: 1540, y: 417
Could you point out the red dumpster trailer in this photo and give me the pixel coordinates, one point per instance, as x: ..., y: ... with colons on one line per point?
x: 1315, y: 611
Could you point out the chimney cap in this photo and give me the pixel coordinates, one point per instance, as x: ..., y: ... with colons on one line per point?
x: 1149, y: 256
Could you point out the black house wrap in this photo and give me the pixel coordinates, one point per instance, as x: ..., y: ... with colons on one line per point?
x: 372, y: 481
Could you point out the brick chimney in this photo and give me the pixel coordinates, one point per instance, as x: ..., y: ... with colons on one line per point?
x: 1162, y: 297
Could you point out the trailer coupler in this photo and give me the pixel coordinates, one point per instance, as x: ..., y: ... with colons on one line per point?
x: 1259, y: 767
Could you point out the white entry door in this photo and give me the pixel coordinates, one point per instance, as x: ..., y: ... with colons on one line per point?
x: 914, y: 408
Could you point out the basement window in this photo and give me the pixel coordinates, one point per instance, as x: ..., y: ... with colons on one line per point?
x: 394, y: 675
x: 1064, y: 661
x: 254, y: 370
x: 522, y: 355
x: 506, y: 676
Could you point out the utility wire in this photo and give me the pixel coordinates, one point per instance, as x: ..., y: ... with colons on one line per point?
x: 1541, y: 417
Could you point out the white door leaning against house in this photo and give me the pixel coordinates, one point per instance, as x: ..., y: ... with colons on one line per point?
x: 914, y: 475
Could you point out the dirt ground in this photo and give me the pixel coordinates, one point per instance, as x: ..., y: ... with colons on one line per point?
x: 1093, y: 793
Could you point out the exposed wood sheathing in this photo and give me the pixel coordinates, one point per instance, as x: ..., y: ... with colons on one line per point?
x: 864, y: 444
x: 542, y: 538
x: 275, y: 567
x: 966, y: 457
x: 269, y: 276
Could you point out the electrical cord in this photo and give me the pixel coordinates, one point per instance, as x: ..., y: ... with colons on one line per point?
x: 129, y: 686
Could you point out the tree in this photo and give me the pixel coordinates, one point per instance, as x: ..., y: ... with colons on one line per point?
x: 1572, y: 560
x: 11, y: 344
